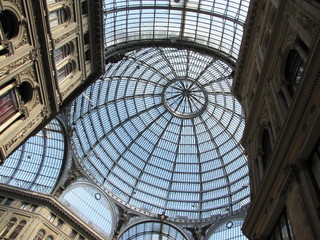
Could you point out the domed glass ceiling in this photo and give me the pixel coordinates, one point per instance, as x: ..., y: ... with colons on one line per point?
x: 161, y: 130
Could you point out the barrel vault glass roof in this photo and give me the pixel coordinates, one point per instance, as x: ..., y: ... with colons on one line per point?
x: 214, y: 24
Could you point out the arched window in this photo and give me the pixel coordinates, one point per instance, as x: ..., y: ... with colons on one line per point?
x: 64, y: 71
x: 61, y: 53
x: 266, y: 147
x: 49, y: 238
x: 91, y: 206
x: 8, y: 227
x: 40, y: 235
x: 9, y: 25
x: 57, y: 17
x: 228, y: 230
x: 18, y: 229
x: 293, y: 70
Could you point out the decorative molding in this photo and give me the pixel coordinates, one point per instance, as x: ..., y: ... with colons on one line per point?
x: 66, y: 35
x: 20, y: 136
x: 9, y: 68
x: 292, y: 171
x: 305, y: 21
x: 24, y: 39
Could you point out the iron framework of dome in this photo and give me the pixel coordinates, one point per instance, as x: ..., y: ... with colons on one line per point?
x: 160, y: 131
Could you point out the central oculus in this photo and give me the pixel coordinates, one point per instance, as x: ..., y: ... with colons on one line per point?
x: 185, y: 98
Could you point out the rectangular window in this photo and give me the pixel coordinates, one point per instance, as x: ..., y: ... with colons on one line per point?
x: 64, y: 72
x: 84, y: 7
x: 9, y: 201
x: 32, y: 208
x: 1, y: 199
x: 8, y: 105
x: 57, y: 17
x: 282, y: 230
x: 59, y: 223
x: 73, y: 234
x: 24, y: 206
x: 80, y: 238
x: 88, y: 55
x: 52, y: 217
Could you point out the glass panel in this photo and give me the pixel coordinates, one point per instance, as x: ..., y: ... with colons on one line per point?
x: 229, y: 230
x: 37, y: 163
x: 161, y: 130
x: 91, y: 206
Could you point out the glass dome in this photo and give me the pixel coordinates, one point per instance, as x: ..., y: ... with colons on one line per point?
x: 160, y: 131
x: 153, y: 230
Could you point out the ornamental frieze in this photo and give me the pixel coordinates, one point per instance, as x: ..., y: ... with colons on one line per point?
x: 24, y: 39
x: 305, y: 21
x: 59, y: 39
x: 11, y: 67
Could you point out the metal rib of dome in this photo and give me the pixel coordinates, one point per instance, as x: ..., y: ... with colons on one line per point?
x: 161, y: 132
x: 214, y: 24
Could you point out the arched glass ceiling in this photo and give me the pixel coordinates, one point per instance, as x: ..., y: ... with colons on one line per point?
x: 161, y: 131
x: 228, y: 230
x: 152, y: 230
x: 36, y: 165
x: 91, y: 206
x: 216, y: 24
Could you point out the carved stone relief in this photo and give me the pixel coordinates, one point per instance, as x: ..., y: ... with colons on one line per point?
x: 12, y: 66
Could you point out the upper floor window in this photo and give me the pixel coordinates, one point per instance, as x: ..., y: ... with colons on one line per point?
x: 282, y: 229
x: 17, y: 230
x: 8, y: 104
x: 294, y: 69
x: 9, y: 201
x: 61, y: 53
x: 64, y: 71
x: 9, y: 26
x: 57, y: 17
x: 40, y: 235
x: 73, y: 234
x: 266, y: 147
x: 8, y: 227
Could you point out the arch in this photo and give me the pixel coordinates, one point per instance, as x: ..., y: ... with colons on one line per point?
x: 9, y: 24
x: 18, y: 229
x: 145, y: 230
x: 37, y: 164
x: 25, y: 90
x: 50, y: 237
x: 228, y: 229
x: 175, y: 21
x: 8, y: 227
x: 91, y: 205
x: 40, y: 235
